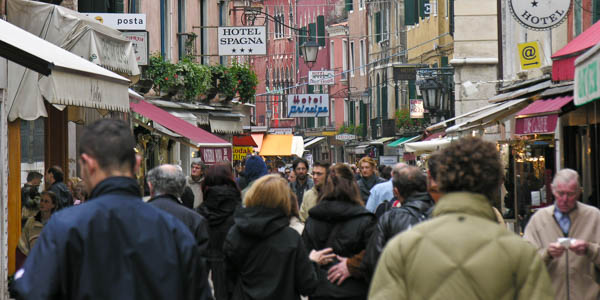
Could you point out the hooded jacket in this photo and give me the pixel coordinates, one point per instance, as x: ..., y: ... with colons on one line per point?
x: 345, y: 227
x: 114, y: 246
x: 266, y: 259
x: 415, y: 209
x: 462, y: 253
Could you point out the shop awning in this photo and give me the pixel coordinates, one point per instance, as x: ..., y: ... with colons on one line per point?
x: 69, y: 80
x: 541, y: 116
x: 258, y: 139
x: 244, y: 140
x: 381, y: 141
x: 487, y: 117
x: 563, y: 61
x: 399, y: 142
x: 521, y: 93
x: 298, y: 146
x: 586, y: 77
x: 76, y: 33
x: 427, y: 146
x: 277, y: 145
x: 313, y: 141
x: 361, y: 149
x: 195, y: 134
x: 226, y: 126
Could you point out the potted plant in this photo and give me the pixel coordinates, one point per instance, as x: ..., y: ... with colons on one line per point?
x: 223, y: 82
x: 246, y: 81
x: 195, y: 78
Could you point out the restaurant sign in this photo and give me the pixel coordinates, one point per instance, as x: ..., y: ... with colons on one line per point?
x: 215, y: 155
x: 308, y: 105
x: 540, y: 14
x: 536, y: 125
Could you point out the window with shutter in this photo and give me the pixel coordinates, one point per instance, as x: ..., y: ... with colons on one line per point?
x: 411, y: 12
x: 349, y: 6
x: 378, y: 26
x: 312, y: 31
x: 424, y: 9
x: 596, y: 15
x: 321, y: 30
x: 302, y: 38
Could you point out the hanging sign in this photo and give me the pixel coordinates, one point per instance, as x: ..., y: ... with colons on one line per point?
x: 587, y: 75
x: 213, y: 156
x: 240, y: 152
x: 417, y: 110
x: 121, y: 21
x: 321, y: 77
x: 139, y: 41
x: 250, y: 40
x: 308, y: 105
x: 529, y: 55
x: 345, y: 137
x: 540, y: 14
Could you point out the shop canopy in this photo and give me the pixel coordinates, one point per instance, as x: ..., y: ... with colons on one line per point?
x: 313, y: 141
x: 427, y: 146
x: 587, y: 67
x: 563, y: 61
x: 179, y: 126
x: 244, y: 140
x: 490, y: 116
x: 282, y: 145
x: 541, y: 116
x: 401, y: 141
x: 69, y: 79
x: 381, y: 141
x: 258, y: 139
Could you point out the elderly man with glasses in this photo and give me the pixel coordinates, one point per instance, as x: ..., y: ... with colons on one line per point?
x: 567, y: 237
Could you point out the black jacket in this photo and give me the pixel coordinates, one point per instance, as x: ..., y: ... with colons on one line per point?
x: 194, y: 222
x: 346, y: 228
x: 114, y: 246
x: 65, y: 199
x: 220, y: 202
x: 415, y: 209
x: 366, y: 184
x: 266, y: 259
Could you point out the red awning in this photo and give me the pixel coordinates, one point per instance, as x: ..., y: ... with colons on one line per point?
x: 434, y: 136
x: 244, y: 140
x: 541, y: 116
x: 177, y: 125
x: 563, y: 65
x: 545, y: 106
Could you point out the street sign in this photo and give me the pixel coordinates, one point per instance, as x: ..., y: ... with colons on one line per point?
x: 308, y: 105
x: 139, y: 41
x: 529, y: 55
x: 388, y: 160
x: 417, y: 110
x: 587, y: 74
x: 250, y: 40
x: 121, y: 21
x: 321, y: 77
x: 345, y: 137
x: 404, y: 72
x: 281, y: 131
x: 540, y: 14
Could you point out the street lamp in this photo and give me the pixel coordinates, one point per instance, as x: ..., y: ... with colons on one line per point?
x: 433, y: 96
x: 309, y: 50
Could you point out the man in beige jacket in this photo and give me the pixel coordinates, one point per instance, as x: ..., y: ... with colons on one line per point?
x: 320, y: 170
x: 573, y: 262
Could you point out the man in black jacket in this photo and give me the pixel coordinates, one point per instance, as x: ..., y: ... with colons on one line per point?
x: 114, y: 246
x: 55, y: 177
x: 167, y: 184
x: 410, y: 188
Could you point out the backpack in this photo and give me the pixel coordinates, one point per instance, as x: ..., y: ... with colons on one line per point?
x: 385, y: 206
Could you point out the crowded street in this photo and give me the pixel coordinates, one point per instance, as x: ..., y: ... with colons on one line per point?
x: 300, y: 149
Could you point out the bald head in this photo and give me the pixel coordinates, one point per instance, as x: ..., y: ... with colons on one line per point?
x: 166, y: 180
x: 397, y: 167
x: 409, y: 180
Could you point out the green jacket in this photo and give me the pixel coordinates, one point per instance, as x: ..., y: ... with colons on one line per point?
x: 462, y: 253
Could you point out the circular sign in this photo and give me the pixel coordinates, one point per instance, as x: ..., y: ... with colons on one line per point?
x: 540, y: 14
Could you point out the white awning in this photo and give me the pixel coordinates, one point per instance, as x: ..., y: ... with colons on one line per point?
x: 76, y: 33
x: 69, y: 80
x: 226, y: 126
x: 491, y: 115
x: 313, y: 141
x: 427, y: 146
x: 184, y: 115
x: 361, y: 149
x: 381, y: 141
x: 297, y: 146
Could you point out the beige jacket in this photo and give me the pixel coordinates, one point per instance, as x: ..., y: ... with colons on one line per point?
x: 308, y: 201
x: 29, y: 235
x: 543, y: 229
x: 196, y: 187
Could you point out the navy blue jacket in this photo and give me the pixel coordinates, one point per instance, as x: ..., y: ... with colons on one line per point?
x: 114, y: 246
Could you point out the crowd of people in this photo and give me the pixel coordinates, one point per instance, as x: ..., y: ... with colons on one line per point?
x: 323, y: 231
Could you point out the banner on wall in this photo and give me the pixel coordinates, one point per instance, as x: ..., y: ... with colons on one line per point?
x: 213, y: 156
x: 240, y: 152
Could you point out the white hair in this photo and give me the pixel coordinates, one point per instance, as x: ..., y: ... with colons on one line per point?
x: 565, y: 176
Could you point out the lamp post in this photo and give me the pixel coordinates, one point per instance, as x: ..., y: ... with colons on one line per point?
x: 435, y: 91
x: 309, y: 51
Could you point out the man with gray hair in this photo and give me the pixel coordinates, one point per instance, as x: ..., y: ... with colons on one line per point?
x: 384, y: 191
x: 567, y: 238
x: 167, y: 183
x: 194, y: 181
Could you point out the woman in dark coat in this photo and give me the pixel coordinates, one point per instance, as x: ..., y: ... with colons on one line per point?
x: 265, y: 258
x: 221, y: 198
x: 340, y: 221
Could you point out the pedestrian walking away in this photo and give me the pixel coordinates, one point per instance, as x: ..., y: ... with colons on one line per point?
x: 115, y: 246
x: 462, y: 252
x: 567, y: 239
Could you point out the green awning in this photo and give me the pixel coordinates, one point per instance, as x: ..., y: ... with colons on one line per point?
x: 401, y: 141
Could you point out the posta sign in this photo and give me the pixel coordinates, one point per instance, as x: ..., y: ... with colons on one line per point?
x: 121, y: 21
x: 540, y: 14
x: 308, y: 105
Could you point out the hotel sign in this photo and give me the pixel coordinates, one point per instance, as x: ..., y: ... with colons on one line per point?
x: 250, y: 40
x: 540, y: 14
x: 308, y: 105
x: 321, y: 78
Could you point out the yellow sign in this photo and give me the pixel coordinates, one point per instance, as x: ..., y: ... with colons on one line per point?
x: 239, y: 153
x: 529, y: 55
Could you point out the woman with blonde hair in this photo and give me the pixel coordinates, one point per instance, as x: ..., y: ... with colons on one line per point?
x: 265, y: 258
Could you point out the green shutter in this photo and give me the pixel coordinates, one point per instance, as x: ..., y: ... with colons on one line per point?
x: 422, y: 13
x: 378, y: 26
x: 310, y: 122
x: 411, y: 12
x: 363, y: 113
x: 412, y: 90
x: 384, y: 103
x: 596, y: 15
x: 118, y: 6
x: 349, y: 5
x: 322, y: 121
x: 310, y: 89
x: 444, y: 61
x: 321, y: 30
x: 312, y: 31
x: 302, y: 37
